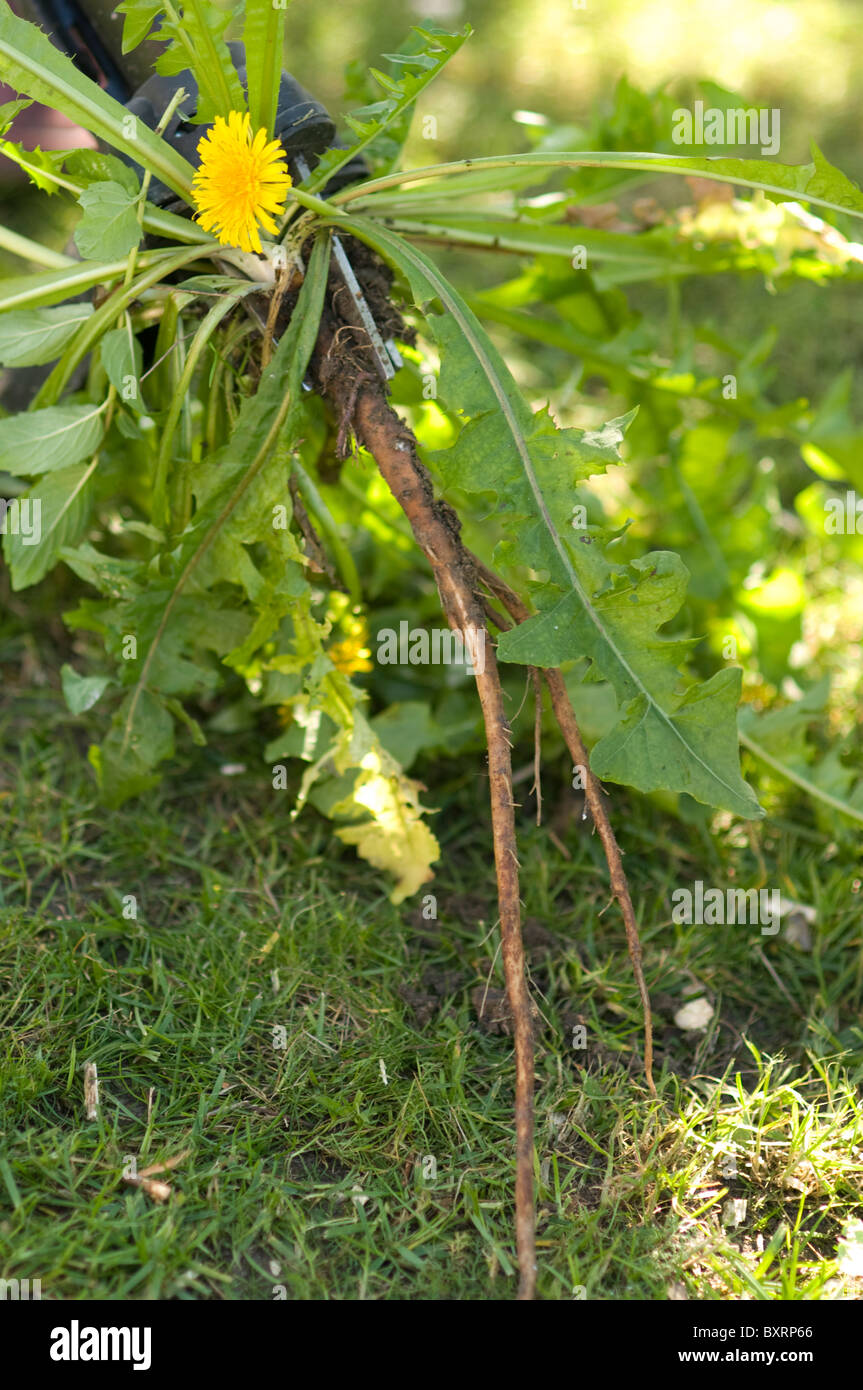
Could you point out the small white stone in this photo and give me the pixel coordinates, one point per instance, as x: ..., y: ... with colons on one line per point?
x: 734, y: 1211
x: 694, y: 1015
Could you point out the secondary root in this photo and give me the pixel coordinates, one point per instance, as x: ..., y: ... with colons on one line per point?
x: 568, y: 725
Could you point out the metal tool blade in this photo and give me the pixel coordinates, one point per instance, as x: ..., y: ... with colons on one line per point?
x: 387, y: 358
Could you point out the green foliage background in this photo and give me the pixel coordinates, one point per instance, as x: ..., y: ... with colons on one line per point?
x: 620, y: 342
x: 734, y: 489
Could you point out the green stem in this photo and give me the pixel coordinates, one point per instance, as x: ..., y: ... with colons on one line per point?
x: 208, y: 326
x: 308, y: 200
x: 185, y: 41
x: 19, y: 157
x: 589, y: 159
x: 321, y: 512
x: 156, y: 221
x: 223, y: 98
x: 145, y: 183
x: 212, y: 531
x: 808, y: 787
x: 214, y: 385
x: 92, y: 330
x: 31, y: 251
x: 70, y: 280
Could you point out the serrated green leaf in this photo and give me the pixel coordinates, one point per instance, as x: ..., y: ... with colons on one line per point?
x: 263, y: 37
x: 31, y: 337
x: 71, y: 169
x: 74, y: 170
x: 124, y: 765
x: 195, y: 41
x: 95, y: 166
x: 691, y: 747
x: 42, y: 167
x: 65, y: 501
x: 123, y: 360
x: 383, y: 79
x: 9, y: 110
x: 110, y: 225
x: 40, y: 441
x: 81, y: 692
x: 408, y: 60
x: 139, y: 18
x: 33, y: 66
x: 780, y: 738
x: 439, y: 48
x: 678, y: 739
x: 818, y: 183
x: 233, y: 472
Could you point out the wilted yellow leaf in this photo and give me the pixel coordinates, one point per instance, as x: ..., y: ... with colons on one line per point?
x: 396, y: 839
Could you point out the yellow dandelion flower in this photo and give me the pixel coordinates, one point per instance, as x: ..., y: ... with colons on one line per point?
x: 351, y: 655
x: 242, y: 180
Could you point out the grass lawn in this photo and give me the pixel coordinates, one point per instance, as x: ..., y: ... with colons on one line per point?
x: 314, y: 1059
x: 306, y: 1092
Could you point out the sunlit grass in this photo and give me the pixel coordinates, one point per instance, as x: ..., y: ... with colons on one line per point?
x: 365, y: 1151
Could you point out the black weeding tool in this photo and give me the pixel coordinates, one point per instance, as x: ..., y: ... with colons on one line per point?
x: 90, y: 32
